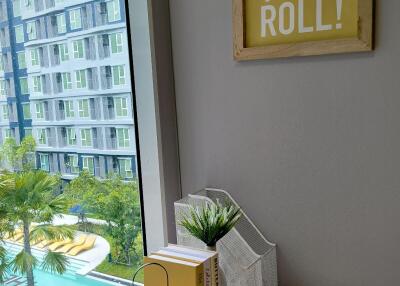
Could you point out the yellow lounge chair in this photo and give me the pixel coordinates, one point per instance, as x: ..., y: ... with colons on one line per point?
x: 17, y: 235
x: 45, y: 243
x: 89, y: 243
x: 58, y: 244
x: 81, y: 240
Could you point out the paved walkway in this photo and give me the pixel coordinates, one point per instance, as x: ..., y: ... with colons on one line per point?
x: 66, y: 219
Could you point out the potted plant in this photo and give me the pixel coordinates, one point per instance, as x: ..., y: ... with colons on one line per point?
x: 211, y: 222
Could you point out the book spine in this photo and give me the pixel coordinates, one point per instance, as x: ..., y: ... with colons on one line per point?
x: 207, y: 273
x: 214, y: 271
x: 200, y: 275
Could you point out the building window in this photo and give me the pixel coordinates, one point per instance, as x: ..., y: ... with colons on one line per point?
x: 72, y: 163
x: 37, y: 83
x: 29, y: 4
x: 19, y: 34
x: 44, y: 162
x: 116, y: 43
x: 118, y: 74
x: 125, y: 168
x: 69, y: 109
x: 78, y: 49
x: 35, y: 57
x: 75, y: 19
x: 41, y: 133
x: 17, y: 8
x: 28, y: 132
x: 61, y: 24
x: 123, y: 137
x: 1, y: 63
x: 121, y: 106
x: 5, y: 112
x: 80, y: 79
x: 71, y: 136
x: 64, y: 56
x: 66, y: 80
x: 26, y: 108
x: 113, y: 11
x: 31, y: 30
x: 23, y: 84
x: 88, y: 164
x: 86, y: 137
x: 3, y: 91
x: 39, y: 110
x: 83, y: 108
x: 21, y: 60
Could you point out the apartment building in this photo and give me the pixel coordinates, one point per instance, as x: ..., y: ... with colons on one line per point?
x: 65, y: 79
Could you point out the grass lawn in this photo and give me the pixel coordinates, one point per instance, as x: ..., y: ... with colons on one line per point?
x: 113, y: 269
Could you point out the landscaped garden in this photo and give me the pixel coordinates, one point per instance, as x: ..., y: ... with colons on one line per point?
x: 31, y: 199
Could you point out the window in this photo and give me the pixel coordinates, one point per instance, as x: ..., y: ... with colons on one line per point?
x: 5, y: 112
x: 125, y: 168
x: 28, y: 131
x: 29, y: 4
x: 3, y: 90
x: 123, y: 137
x: 8, y: 133
x: 113, y: 11
x: 80, y: 79
x: 71, y: 136
x: 86, y: 137
x: 19, y: 34
x: 78, y: 49
x: 26, y: 108
x: 118, y: 73
x: 121, y: 106
x: 88, y: 164
x: 73, y: 163
x: 35, y: 57
x: 69, y: 109
x: 31, y: 30
x: 17, y: 8
x: 21, y: 60
x: 44, y: 162
x: 37, y: 83
x: 1, y: 63
x: 61, y: 24
x: 116, y: 43
x: 75, y: 19
x: 39, y: 110
x: 66, y: 80
x: 83, y: 108
x: 64, y: 56
x: 41, y: 136
x: 23, y: 84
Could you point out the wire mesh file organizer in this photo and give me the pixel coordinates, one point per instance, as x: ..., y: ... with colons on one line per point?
x: 246, y: 257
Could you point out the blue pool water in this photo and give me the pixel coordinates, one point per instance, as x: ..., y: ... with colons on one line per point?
x: 42, y: 278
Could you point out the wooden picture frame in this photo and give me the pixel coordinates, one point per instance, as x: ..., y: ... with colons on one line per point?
x: 362, y: 43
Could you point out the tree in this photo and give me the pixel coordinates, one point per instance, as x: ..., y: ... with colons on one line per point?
x: 27, y: 198
x: 19, y: 157
x: 116, y: 202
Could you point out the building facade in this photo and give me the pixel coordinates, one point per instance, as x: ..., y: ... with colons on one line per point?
x: 65, y: 80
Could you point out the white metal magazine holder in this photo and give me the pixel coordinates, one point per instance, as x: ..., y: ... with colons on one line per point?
x: 246, y: 257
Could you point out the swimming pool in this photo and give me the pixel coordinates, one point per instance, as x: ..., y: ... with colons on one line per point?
x: 43, y: 278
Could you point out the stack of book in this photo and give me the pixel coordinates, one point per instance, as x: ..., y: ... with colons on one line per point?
x: 185, y: 266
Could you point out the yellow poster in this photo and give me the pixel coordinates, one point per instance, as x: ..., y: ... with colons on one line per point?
x: 272, y: 22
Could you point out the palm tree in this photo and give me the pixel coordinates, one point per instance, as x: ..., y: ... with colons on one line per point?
x: 26, y: 198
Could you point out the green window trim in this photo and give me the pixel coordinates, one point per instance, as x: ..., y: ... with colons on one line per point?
x: 16, y: 8
x: 39, y: 110
x: 35, y: 57
x: 5, y: 112
x: 73, y: 162
x: 121, y: 106
x: 23, y: 83
x: 125, y: 168
x: 78, y: 49
x: 31, y: 30
x: 116, y: 43
x: 88, y: 164
x: 118, y: 74
x: 61, y: 24
x: 83, y: 108
x: 69, y: 109
x: 75, y: 19
x: 80, y: 79
x: 66, y: 80
x: 44, y: 162
x: 19, y: 34
x: 123, y: 137
x: 37, y: 83
x: 71, y: 136
x: 86, y: 137
x: 21, y: 60
x: 42, y: 136
x: 64, y: 55
x: 113, y: 11
x: 26, y: 109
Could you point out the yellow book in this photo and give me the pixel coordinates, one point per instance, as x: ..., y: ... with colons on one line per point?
x: 181, y: 273
x: 209, y: 258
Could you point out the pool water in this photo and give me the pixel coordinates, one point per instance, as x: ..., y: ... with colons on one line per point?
x: 43, y: 278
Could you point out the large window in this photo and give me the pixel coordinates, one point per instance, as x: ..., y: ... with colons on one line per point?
x: 68, y: 78
x: 75, y: 19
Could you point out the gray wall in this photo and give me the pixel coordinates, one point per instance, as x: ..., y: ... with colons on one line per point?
x: 310, y: 147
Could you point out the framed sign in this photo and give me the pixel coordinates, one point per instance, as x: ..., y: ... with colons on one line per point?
x: 265, y: 29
